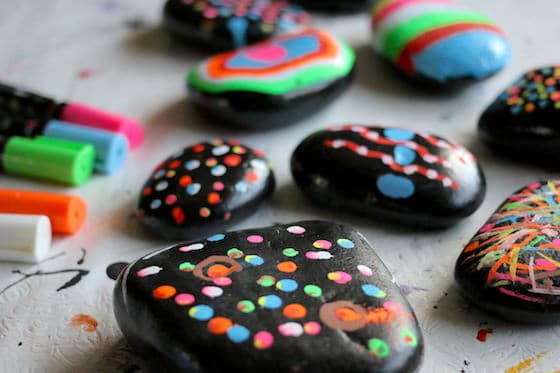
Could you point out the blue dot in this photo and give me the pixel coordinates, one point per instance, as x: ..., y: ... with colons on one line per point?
x: 241, y: 187
x: 192, y: 164
x: 201, y: 312
x: 394, y: 186
x: 216, y: 237
x: 345, y: 243
x: 238, y: 334
x: 254, y: 260
x: 270, y: 302
x: 399, y: 134
x: 193, y: 189
x: 404, y: 155
x: 373, y: 291
x: 287, y: 285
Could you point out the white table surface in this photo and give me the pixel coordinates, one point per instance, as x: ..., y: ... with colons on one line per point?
x: 113, y: 54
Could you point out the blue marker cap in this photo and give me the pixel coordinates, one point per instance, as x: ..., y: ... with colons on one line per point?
x: 111, y: 149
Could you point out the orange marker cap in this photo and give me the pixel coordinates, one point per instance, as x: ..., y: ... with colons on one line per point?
x: 66, y: 212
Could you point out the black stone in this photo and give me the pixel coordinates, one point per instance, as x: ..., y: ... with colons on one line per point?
x: 523, y: 121
x: 241, y: 302
x: 510, y: 267
x: 224, y: 25
x: 277, y: 82
x: 389, y: 173
x: 204, y: 188
x: 337, y: 6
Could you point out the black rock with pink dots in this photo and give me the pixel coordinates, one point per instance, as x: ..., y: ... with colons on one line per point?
x: 204, y: 188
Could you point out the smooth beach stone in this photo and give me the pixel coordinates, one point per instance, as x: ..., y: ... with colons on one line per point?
x: 340, y: 6
x: 310, y: 296
x: 228, y: 24
x: 511, y: 267
x: 273, y: 83
x: 438, y: 40
x: 204, y: 188
x: 523, y: 120
x: 389, y: 173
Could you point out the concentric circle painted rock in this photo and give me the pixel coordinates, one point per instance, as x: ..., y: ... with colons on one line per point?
x: 204, y: 188
x: 523, y: 120
x: 438, y: 40
x: 273, y: 83
x: 390, y: 173
x: 511, y: 267
x: 228, y: 24
x: 304, y: 297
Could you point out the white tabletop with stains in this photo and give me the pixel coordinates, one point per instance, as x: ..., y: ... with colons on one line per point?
x: 57, y: 316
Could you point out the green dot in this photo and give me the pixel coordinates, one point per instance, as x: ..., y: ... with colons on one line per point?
x: 266, y: 281
x: 245, y: 306
x: 378, y: 348
x: 235, y: 253
x: 186, y: 267
x: 313, y: 291
x: 290, y: 252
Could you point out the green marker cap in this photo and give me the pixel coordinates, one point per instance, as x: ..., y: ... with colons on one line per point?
x: 63, y: 161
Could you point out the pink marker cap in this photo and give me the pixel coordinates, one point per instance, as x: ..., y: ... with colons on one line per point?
x: 84, y: 115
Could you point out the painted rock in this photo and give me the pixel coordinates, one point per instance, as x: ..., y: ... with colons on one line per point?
x: 306, y: 297
x: 511, y: 267
x: 390, y: 173
x: 204, y: 188
x: 273, y: 83
x: 342, y: 6
x: 228, y: 24
x: 438, y: 40
x: 523, y: 120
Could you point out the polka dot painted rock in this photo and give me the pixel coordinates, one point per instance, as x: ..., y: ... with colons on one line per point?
x: 438, y: 40
x: 523, y: 121
x: 389, y: 173
x: 336, y: 6
x: 273, y: 83
x: 204, y: 188
x: 511, y: 267
x: 228, y: 24
x: 310, y: 323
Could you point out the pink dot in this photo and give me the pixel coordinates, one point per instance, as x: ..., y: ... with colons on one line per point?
x: 296, y: 229
x: 263, y: 340
x: 212, y: 291
x: 322, y: 244
x: 267, y: 53
x: 218, y: 185
x: 255, y: 239
x: 211, y: 12
x: 171, y: 199
x: 312, y: 328
x: 339, y: 277
x: 365, y: 270
x: 184, y: 299
x: 290, y: 329
x: 548, y: 266
x: 223, y: 281
x: 149, y: 271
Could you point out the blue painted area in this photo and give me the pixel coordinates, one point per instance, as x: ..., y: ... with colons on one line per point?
x: 398, y: 134
x: 287, y: 285
x: 404, y: 155
x: 237, y: 27
x: 270, y: 302
x: 475, y: 54
x: 238, y: 334
x: 299, y: 47
x: 201, y: 312
x: 373, y: 291
x: 394, y: 186
x: 216, y: 237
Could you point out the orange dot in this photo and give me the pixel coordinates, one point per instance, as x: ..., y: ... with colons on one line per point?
x: 147, y: 191
x: 213, y: 198
x: 217, y: 271
x: 347, y: 314
x: 174, y: 164
x: 219, y: 325
x: 185, y: 180
x: 287, y: 267
x: 164, y: 292
x: 379, y: 316
x: 295, y: 311
x: 198, y: 148
x: 178, y: 215
x: 232, y: 160
x: 530, y: 107
x: 252, y: 176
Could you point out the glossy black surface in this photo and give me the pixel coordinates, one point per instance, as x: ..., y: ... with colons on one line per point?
x: 389, y: 173
x: 511, y: 267
x: 223, y: 24
x: 204, y: 188
x: 242, y: 302
x: 341, y: 6
x: 523, y: 120
x: 261, y: 111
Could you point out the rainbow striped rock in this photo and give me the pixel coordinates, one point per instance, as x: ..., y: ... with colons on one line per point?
x: 438, y: 40
x: 275, y: 82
